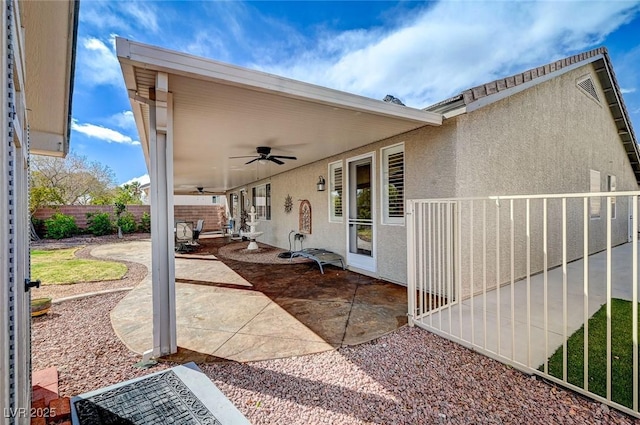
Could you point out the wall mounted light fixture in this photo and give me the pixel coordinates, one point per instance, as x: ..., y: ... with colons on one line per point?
x: 320, y: 184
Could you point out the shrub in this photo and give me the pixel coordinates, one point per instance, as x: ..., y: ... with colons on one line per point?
x: 38, y: 225
x: 145, y: 223
x: 127, y: 222
x: 60, y: 226
x: 99, y: 224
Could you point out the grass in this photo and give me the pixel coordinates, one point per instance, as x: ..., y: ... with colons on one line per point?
x: 61, y: 267
x: 621, y: 354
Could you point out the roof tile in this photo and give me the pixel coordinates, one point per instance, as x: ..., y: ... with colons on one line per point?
x: 510, y: 81
x: 491, y: 88
x: 471, y: 95
x: 479, y: 92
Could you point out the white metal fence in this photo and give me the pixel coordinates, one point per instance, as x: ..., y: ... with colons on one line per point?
x: 517, y: 278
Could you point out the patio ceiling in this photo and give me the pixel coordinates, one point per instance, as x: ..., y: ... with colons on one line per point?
x: 221, y: 110
x: 50, y: 30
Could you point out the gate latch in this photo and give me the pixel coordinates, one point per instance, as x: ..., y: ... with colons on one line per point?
x: 28, y: 284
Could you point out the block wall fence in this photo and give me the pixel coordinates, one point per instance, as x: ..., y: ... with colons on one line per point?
x: 211, y: 214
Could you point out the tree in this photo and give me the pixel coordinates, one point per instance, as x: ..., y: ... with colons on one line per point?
x: 128, y: 194
x: 70, y: 181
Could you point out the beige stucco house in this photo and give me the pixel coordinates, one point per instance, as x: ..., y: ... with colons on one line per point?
x: 558, y: 128
x: 552, y: 129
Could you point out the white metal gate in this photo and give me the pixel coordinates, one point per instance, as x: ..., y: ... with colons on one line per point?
x: 515, y: 277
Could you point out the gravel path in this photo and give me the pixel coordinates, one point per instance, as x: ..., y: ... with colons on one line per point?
x: 407, y: 377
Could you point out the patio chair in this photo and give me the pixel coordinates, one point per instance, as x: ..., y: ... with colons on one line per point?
x: 198, y: 230
x: 183, y: 236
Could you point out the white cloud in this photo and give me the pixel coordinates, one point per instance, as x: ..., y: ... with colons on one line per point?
x: 120, y: 16
x: 102, y: 133
x: 143, y: 14
x: 629, y: 90
x: 124, y: 120
x: 444, y: 48
x: 144, y: 179
x: 98, y: 63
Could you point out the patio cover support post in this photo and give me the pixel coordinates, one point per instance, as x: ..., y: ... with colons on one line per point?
x: 162, y: 241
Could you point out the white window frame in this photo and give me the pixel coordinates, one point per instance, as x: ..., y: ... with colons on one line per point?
x: 595, y: 203
x: 261, y: 209
x: 384, y: 179
x: 333, y: 218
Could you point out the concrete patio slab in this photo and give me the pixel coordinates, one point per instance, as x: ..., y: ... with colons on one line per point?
x: 281, y: 310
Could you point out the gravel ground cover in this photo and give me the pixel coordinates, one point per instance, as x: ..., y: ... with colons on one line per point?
x: 407, y: 377
x: 135, y: 271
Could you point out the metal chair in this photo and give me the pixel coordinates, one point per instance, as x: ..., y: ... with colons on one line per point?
x: 183, y: 236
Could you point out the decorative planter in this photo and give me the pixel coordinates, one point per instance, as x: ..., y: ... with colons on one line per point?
x: 40, y: 306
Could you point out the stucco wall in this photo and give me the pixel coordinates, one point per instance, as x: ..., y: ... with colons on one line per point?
x: 542, y: 140
x: 436, y: 162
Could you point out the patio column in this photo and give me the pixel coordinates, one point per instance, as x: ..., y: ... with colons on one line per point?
x: 162, y: 241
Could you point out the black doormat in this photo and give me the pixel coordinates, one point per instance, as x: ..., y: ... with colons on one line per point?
x: 159, y: 399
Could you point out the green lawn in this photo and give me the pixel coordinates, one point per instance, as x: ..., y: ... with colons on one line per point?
x: 621, y: 354
x: 61, y: 267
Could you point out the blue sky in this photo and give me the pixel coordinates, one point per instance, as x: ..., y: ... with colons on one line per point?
x: 421, y: 52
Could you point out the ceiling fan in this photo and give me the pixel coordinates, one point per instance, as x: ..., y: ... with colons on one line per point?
x: 264, y: 154
x: 200, y: 191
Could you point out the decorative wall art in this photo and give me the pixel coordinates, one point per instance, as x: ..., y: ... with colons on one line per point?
x: 305, y: 217
x: 288, y: 204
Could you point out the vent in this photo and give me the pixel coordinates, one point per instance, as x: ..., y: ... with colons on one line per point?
x: 587, y: 86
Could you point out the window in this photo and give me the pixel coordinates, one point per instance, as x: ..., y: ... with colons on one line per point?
x: 234, y: 207
x: 393, y: 184
x: 611, y: 187
x: 268, y: 190
x: 335, y: 192
x: 262, y: 201
x: 595, y: 202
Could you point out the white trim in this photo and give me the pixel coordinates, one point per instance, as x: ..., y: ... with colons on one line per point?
x: 255, y: 188
x: 162, y: 237
x: 384, y: 219
x: 159, y: 59
x: 332, y: 217
x: 454, y: 113
x: 355, y: 260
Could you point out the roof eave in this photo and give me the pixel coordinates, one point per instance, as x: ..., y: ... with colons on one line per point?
x: 53, y: 140
x: 162, y: 60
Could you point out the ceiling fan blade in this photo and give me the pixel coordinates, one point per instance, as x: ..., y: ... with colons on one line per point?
x: 244, y: 156
x: 253, y: 160
x: 283, y: 157
x: 276, y: 160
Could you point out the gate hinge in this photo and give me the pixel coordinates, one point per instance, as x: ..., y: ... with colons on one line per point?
x: 28, y: 284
